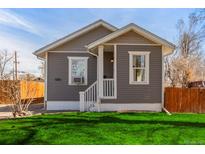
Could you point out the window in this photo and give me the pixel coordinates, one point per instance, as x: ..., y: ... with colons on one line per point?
x: 77, y: 70
x: 139, y: 67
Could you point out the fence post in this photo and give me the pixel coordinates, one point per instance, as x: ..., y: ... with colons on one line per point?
x: 82, y: 101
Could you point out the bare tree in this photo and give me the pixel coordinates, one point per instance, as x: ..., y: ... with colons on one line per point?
x: 190, y: 37
x: 19, y: 93
x: 5, y: 61
x: 185, y: 65
x: 170, y: 72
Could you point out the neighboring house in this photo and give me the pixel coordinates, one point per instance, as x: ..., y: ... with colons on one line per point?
x: 197, y: 84
x: 39, y: 79
x: 103, y: 68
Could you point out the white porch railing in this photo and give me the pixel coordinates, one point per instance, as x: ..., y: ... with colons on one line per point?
x: 108, y: 88
x: 88, y: 98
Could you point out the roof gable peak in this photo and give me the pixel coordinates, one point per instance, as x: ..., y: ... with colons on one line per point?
x: 76, y: 34
x: 137, y: 29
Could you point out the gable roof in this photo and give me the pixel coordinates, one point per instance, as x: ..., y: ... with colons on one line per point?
x: 74, y: 35
x: 166, y: 44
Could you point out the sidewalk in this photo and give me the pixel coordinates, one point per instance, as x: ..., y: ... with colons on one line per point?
x: 4, y: 111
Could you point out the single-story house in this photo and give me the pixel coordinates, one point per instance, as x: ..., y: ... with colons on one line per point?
x: 104, y: 68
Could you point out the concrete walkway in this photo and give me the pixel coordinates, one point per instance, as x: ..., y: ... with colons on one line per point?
x: 5, y: 111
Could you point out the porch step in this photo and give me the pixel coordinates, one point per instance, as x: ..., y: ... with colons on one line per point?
x: 89, y: 97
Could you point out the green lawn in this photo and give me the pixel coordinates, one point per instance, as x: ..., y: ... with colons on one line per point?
x: 105, y: 128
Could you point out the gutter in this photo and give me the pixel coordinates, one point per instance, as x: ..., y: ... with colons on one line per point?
x: 90, y: 52
x: 40, y: 58
x: 163, y: 91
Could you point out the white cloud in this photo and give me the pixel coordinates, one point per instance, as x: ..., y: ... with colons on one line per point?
x: 23, y: 45
x: 10, y: 18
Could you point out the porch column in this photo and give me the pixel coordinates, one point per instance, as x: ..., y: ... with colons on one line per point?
x: 115, y: 71
x: 82, y: 101
x: 100, y: 70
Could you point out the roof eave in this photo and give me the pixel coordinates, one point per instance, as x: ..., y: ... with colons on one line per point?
x: 74, y: 35
x: 128, y: 28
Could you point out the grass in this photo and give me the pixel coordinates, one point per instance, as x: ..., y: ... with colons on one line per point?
x: 105, y: 128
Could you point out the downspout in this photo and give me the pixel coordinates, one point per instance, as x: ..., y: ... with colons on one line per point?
x: 98, y: 99
x: 165, y: 110
x: 163, y: 107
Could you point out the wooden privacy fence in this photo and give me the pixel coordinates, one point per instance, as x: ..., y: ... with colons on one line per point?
x: 36, y: 89
x: 185, y: 100
x: 28, y: 89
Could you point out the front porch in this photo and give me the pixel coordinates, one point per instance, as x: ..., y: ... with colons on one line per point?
x: 106, y: 86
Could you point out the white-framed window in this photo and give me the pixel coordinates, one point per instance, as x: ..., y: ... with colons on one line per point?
x: 77, y: 70
x: 139, y: 67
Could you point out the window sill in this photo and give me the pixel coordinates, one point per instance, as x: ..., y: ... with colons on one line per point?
x: 77, y: 84
x: 139, y: 83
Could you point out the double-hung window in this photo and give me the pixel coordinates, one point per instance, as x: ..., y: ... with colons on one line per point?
x: 78, y: 67
x: 138, y: 67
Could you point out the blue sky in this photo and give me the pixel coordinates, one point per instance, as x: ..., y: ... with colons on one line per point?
x: 26, y: 30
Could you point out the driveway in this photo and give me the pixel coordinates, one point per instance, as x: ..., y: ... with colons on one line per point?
x: 6, y: 113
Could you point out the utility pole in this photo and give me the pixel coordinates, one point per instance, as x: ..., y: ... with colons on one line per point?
x: 15, y: 66
x: 13, y: 71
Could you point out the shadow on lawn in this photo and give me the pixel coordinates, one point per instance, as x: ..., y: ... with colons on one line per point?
x: 32, y: 124
x: 72, y: 119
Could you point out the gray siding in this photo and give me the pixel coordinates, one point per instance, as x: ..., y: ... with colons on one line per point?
x: 58, y: 68
x: 131, y: 37
x: 78, y: 44
x: 127, y: 93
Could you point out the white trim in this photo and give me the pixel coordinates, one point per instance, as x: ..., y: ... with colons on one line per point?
x: 115, y: 71
x: 86, y: 51
x: 138, y: 52
x: 92, y: 53
x: 82, y: 101
x: 75, y: 105
x: 162, y: 80
x: 70, y: 58
x: 74, y: 35
x: 43, y: 59
x: 68, y: 51
x: 46, y: 80
x: 98, y: 99
x: 131, y: 107
x: 63, y: 105
x: 100, y: 69
x: 147, y: 59
x: 108, y: 97
x: 107, y: 94
x: 166, y: 52
x: 138, y: 30
x: 132, y: 44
